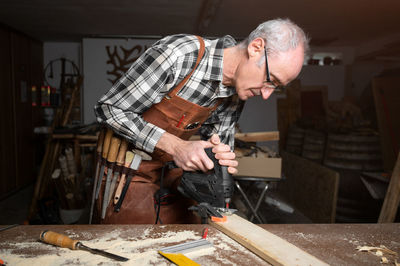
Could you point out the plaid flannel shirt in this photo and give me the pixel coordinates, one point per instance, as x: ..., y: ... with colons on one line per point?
x: 156, y: 72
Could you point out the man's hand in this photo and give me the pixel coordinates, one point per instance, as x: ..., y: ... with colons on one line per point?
x: 224, y: 154
x: 189, y: 155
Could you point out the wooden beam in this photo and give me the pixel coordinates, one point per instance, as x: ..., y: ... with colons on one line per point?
x: 392, y: 198
x: 258, y: 136
x: 252, y: 136
x: 268, y: 246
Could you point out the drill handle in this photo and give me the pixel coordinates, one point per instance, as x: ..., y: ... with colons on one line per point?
x: 222, y: 171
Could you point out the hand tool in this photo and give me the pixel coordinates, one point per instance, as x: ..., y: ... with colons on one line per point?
x: 128, y: 160
x: 62, y: 160
x: 137, y: 159
x: 175, y: 253
x: 112, y: 156
x: 8, y: 227
x: 179, y: 259
x: 70, y: 161
x: 118, y: 168
x: 188, y: 247
x: 66, y: 242
x: 100, y: 141
x: 212, y: 190
x: 104, y: 154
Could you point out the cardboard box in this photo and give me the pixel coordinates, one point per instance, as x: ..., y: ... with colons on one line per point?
x: 260, y: 167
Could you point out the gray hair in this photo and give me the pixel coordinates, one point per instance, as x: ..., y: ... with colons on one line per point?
x: 280, y: 35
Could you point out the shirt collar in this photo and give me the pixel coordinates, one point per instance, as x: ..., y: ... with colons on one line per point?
x: 216, y: 56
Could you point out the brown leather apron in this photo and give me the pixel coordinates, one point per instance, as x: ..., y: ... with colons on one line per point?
x: 138, y: 206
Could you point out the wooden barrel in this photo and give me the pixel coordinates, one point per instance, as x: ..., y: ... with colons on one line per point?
x: 354, y: 202
x: 313, y: 145
x: 356, y: 211
x: 355, y: 152
x: 294, y: 141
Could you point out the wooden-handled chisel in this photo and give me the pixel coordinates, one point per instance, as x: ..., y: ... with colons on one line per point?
x: 99, y: 149
x: 128, y: 160
x: 137, y: 159
x: 66, y: 242
x: 104, y: 154
x: 119, y: 163
x: 112, y: 156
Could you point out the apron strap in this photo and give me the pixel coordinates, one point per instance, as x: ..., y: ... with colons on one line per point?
x: 199, y: 57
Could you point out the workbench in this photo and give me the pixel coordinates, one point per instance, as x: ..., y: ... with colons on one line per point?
x: 334, y: 244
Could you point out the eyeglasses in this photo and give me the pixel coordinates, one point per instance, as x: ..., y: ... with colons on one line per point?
x: 269, y: 81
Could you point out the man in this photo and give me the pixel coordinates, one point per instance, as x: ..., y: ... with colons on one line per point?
x: 157, y: 109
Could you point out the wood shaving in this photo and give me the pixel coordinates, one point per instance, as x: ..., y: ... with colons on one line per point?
x: 379, y: 251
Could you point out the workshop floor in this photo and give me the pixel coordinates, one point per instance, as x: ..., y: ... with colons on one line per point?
x: 15, y: 208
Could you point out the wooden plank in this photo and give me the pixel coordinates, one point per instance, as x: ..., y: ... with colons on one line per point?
x: 386, y: 91
x: 258, y: 136
x: 268, y: 246
x: 392, y: 198
x: 252, y: 136
x: 310, y: 187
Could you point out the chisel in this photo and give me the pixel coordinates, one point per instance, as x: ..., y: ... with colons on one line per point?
x: 100, y: 141
x: 118, y: 167
x: 104, y: 154
x: 128, y: 160
x: 137, y: 159
x: 112, y: 156
x: 66, y: 242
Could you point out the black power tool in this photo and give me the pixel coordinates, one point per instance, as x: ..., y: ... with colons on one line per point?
x: 212, y: 190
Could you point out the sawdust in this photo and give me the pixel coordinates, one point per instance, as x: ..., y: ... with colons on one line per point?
x: 140, y: 249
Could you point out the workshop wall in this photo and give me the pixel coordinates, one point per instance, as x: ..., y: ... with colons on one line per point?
x: 21, y: 64
x: 100, y: 64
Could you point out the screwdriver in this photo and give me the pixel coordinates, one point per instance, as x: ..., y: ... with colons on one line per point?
x: 66, y: 242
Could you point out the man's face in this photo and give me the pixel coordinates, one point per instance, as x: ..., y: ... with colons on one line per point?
x: 251, y: 75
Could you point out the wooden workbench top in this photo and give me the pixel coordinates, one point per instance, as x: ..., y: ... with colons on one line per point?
x: 333, y: 243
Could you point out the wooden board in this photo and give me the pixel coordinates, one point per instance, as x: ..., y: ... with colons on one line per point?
x: 251, y: 136
x: 310, y: 187
x: 258, y: 136
x: 268, y: 246
x: 386, y: 91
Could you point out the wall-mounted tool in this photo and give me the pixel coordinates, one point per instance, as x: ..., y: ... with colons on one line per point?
x: 66, y: 242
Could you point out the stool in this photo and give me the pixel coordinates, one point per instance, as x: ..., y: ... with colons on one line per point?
x: 260, y: 198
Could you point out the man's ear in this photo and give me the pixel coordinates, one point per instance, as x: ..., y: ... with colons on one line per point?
x: 256, y: 46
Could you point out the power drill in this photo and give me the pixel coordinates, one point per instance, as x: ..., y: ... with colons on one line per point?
x: 214, y: 188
